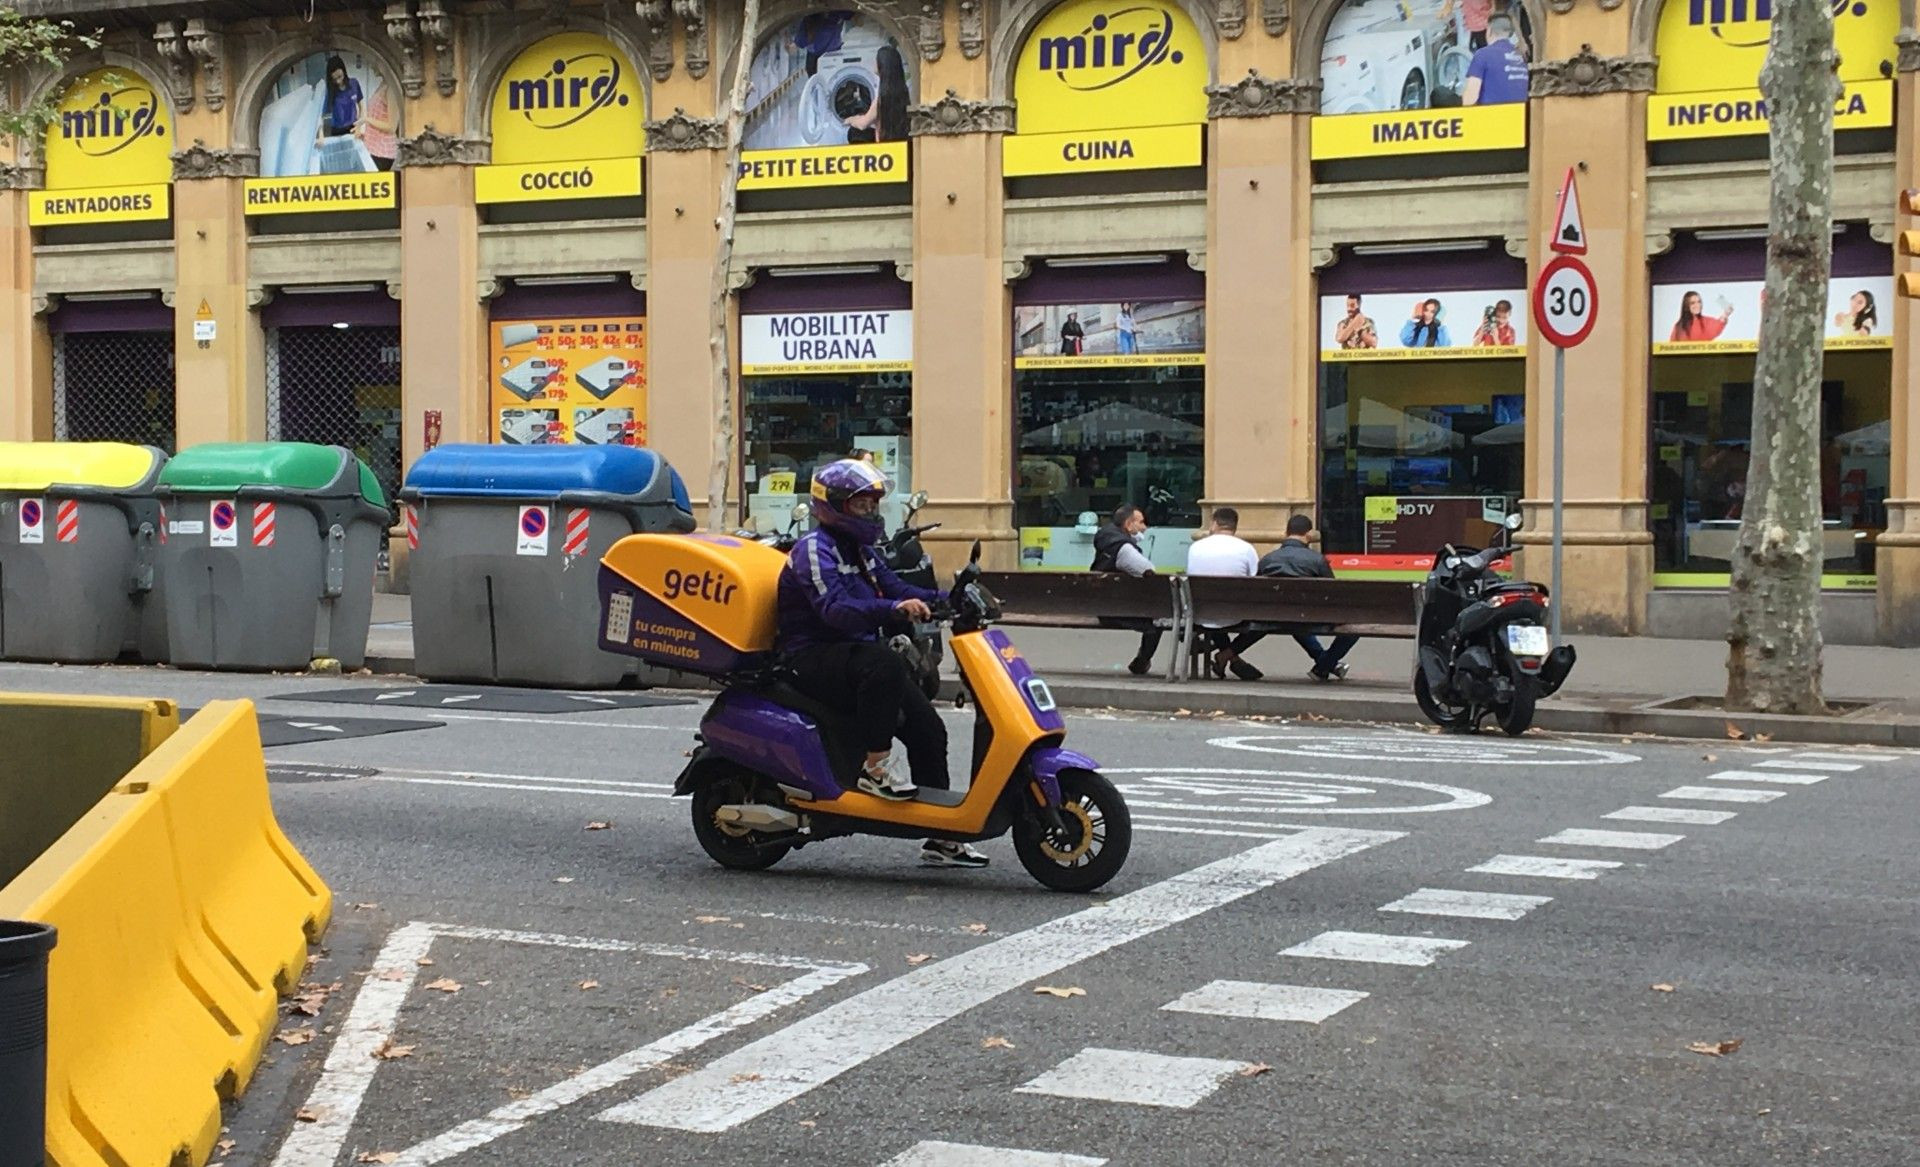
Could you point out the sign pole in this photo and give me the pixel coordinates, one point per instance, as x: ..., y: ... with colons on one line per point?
x: 1566, y: 302
x: 1559, y: 482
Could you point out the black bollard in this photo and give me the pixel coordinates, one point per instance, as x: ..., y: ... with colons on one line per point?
x: 23, y: 1041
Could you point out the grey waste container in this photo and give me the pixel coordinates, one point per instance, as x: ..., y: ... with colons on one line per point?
x: 505, y: 550
x: 270, y: 555
x: 79, y: 533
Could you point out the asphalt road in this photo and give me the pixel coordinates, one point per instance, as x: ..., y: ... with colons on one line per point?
x: 1252, y: 989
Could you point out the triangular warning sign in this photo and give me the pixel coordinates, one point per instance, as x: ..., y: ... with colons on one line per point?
x: 205, y: 312
x: 1569, y: 233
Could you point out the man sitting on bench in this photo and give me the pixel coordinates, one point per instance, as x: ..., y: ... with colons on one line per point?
x: 1294, y: 558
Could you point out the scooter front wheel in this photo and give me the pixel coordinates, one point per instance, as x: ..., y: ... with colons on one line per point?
x: 1089, y: 847
x: 1453, y: 719
x: 729, y: 844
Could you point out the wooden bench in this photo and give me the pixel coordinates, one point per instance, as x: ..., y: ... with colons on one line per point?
x: 1050, y: 599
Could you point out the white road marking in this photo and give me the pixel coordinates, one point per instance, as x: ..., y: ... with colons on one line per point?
x: 1472, y: 905
x: 968, y: 1155
x: 841, y: 922
x: 1293, y: 791
x: 1672, y: 814
x: 600, y: 790
x: 1135, y: 1077
x: 1375, y: 948
x: 1234, y: 821
x: 1259, y: 1002
x: 786, y: 1065
x: 1544, y: 867
x: 527, y: 778
x: 1623, y: 840
x: 1140, y: 826
x: 1766, y: 776
x: 1802, y: 762
x: 1815, y: 755
x: 1239, y: 809
x: 1723, y: 794
x: 1404, y: 746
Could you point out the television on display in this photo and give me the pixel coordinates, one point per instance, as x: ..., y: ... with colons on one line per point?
x: 1509, y: 408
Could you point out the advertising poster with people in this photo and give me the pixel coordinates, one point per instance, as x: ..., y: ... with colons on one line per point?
x: 1710, y: 53
x: 1423, y: 76
x: 1130, y: 332
x: 108, y: 153
x: 579, y: 381
x: 568, y: 122
x: 1415, y: 326
x: 329, y: 131
x: 827, y: 99
x: 1724, y: 317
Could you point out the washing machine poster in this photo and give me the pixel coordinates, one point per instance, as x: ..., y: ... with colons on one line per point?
x: 827, y: 102
x: 570, y: 381
x: 1423, y: 77
x: 329, y: 131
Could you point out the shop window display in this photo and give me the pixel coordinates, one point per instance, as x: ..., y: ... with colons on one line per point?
x: 797, y: 423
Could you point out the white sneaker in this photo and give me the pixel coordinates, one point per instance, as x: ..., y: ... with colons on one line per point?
x: 880, y: 780
x: 939, y: 853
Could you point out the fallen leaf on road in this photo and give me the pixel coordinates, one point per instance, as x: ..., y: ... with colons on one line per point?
x: 744, y: 1078
x: 225, y: 1145
x: 445, y: 985
x: 745, y: 984
x: 713, y: 919
x: 390, y: 1052
x: 1662, y: 988
x: 1311, y: 716
x: 1715, y: 1049
x: 367, y: 907
x: 920, y: 958
x: 1051, y: 991
x: 996, y: 1043
x: 807, y: 1122
x: 564, y: 879
x: 977, y: 929
x: 425, y: 962
x: 597, y: 825
x: 585, y: 985
x: 294, y: 1036
x: 378, y: 1157
x: 390, y: 974
x: 1763, y: 1111
x: 1763, y: 737
x: 1183, y: 713
x: 308, y: 1114
x: 1255, y: 1070
x: 1709, y: 758
x: 1735, y: 732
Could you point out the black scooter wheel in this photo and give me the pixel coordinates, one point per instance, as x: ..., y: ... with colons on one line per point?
x: 1449, y: 718
x: 1094, y: 846
x: 1517, y: 717
x: 728, y: 845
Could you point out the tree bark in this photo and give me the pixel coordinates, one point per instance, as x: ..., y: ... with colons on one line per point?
x: 720, y: 472
x: 1773, y: 638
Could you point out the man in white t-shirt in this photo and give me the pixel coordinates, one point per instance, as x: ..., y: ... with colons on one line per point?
x: 1223, y: 552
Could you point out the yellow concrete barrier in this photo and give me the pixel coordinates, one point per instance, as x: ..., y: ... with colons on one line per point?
x: 182, y: 908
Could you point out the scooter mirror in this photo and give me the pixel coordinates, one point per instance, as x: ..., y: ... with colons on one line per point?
x: 974, y: 557
x: 800, y: 511
x: 1514, y: 521
x: 916, y: 500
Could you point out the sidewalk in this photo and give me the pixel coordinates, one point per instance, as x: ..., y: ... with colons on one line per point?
x: 1621, y: 685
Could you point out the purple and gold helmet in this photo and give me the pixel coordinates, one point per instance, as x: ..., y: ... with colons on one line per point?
x: 837, y: 482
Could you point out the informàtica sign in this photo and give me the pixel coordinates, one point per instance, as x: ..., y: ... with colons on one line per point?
x: 108, y: 152
x: 827, y: 104
x: 328, y: 135
x: 861, y: 341
x: 568, y: 122
x: 1423, y: 77
x: 580, y: 380
x: 1416, y: 326
x: 1724, y: 317
x: 1710, y: 56
x: 1109, y: 85
x: 1126, y: 333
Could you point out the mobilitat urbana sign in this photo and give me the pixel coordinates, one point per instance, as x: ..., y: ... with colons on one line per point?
x: 109, y: 154
x: 568, y: 122
x: 1710, y: 56
x: 1107, y: 85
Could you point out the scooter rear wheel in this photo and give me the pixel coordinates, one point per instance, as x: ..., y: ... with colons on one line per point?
x: 1093, y: 848
x: 1453, y: 719
x: 729, y: 845
x: 1517, y: 717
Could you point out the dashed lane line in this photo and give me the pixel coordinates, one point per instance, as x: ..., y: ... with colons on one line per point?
x: 1134, y: 1077
x: 1672, y: 814
x: 1471, y: 905
x: 1722, y: 794
x: 1260, y: 1002
x: 1816, y: 756
x: 1622, y: 840
x: 1375, y: 948
x: 1544, y: 867
x: 936, y: 1154
x: 1802, y: 762
x: 1766, y: 776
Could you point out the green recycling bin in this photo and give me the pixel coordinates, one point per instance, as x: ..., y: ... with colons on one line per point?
x: 80, y: 528
x: 270, y: 555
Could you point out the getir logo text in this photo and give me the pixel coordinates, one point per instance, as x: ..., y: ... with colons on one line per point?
x: 117, y: 120
x: 1744, y: 24
x: 1111, y: 49
x: 704, y: 585
x: 572, y: 89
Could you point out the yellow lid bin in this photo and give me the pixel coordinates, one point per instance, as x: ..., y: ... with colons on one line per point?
x: 703, y: 603
x: 32, y: 467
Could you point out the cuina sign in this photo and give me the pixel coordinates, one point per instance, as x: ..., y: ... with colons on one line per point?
x: 108, y: 153
x: 568, y: 123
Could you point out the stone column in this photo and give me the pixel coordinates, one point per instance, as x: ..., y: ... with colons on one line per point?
x: 442, y: 310
x: 26, y: 352
x: 220, y: 389
x: 1589, y: 112
x: 1897, y: 551
x: 1262, y: 396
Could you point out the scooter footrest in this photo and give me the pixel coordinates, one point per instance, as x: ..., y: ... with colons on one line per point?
x: 932, y: 797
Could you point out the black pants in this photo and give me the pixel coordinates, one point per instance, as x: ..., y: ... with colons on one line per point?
x: 870, y: 683
x: 1215, y: 639
x: 1149, y: 644
x: 1325, y: 658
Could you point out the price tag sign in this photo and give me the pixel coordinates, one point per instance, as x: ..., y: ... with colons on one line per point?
x: 1565, y: 302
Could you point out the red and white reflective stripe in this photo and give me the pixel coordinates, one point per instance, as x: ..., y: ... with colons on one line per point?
x: 263, y: 524
x: 66, y: 521
x: 163, y: 526
x: 576, y: 531
x: 413, y: 529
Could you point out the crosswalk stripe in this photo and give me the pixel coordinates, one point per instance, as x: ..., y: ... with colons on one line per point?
x: 1802, y: 762
x: 1473, y: 905
x: 1140, y: 826
x: 1544, y: 867
x: 1850, y: 757
x: 1723, y: 794
x: 935, y: 1154
x: 1258, y: 1002
x: 1672, y: 814
x: 1135, y: 1077
x: 1766, y: 776
x: 1374, y: 948
x: 1625, y: 840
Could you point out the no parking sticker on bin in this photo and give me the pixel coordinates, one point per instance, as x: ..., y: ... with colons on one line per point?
x: 33, y: 521
x: 225, y: 530
x: 533, y: 531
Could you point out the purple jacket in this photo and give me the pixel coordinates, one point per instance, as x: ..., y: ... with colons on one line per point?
x: 825, y: 598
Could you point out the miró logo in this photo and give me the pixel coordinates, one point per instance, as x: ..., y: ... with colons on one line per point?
x: 117, y: 120
x: 1745, y: 24
x: 1113, y: 47
x: 572, y: 89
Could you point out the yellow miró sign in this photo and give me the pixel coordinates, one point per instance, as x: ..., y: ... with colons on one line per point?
x: 851, y: 165
x: 574, y: 99
x: 301, y: 196
x: 1094, y: 75
x: 1421, y: 131
x: 109, y: 153
x: 1711, y: 52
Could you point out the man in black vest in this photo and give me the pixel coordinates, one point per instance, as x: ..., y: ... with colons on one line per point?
x: 1116, y: 548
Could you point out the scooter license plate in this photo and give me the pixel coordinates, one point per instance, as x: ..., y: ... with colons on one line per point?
x: 1526, y: 640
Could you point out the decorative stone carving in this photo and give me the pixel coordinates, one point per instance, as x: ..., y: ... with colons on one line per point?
x: 1586, y: 73
x: 430, y: 147
x: 1880, y: 231
x: 1658, y: 243
x: 172, y: 47
x: 1254, y: 96
x: 657, y: 15
x: 973, y: 33
x: 693, y: 17
x: 1909, y: 44
x: 14, y: 177
x: 167, y: 297
x: 931, y: 34
x: 393, y: 289
x: 903, y: 271
x: 404, y: 30
x: 739, y: 279
x: 681, y: 132
x: 1012, y: 271
x: 1275, y: 14
x: 437, y: 27
x: 1516, y: 246
x: 1197, y: 260
x: 1230, y: 17
x: 1323, y: 257
x: 207, y: 44
x: 259, y: 296
x: 198, y: 162
x: 638, y: 279
x: 44, y: 303
x: 954, y: 114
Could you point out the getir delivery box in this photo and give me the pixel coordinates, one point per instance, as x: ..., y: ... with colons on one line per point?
x: 702, y: 603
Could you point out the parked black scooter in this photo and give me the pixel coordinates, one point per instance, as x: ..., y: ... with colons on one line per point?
x: 1483, y: 646
x: 919, y: 644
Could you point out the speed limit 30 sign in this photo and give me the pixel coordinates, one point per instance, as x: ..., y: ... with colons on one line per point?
x: 1565, y: 302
